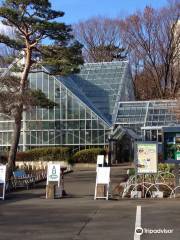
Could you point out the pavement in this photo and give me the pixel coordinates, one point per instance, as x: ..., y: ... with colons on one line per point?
x: 26, y: 214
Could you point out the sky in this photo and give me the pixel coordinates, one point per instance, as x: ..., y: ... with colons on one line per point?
x: 77, y: 10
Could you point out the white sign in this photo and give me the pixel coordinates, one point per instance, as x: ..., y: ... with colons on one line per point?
x: 53, y: 174
x: 100, y: 160
x: 2, y: 180
x: 103, y: 175
x: 102, y: 178
x: 147, y: 157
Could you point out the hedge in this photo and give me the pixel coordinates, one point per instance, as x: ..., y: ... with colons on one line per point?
x: 88, y: 155
x: 44, y: 154
x: 164, y: 167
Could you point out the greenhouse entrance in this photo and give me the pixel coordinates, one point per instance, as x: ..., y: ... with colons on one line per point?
x: 121, y: 145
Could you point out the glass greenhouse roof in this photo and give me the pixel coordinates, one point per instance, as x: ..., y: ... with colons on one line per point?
x: 102, y: 86
x: 139, y: 114
x: 74, y: 88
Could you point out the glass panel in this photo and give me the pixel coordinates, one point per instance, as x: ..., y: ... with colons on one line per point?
x: 57, y: 138
x: 33, y: 137
x: 33, y: 81
x: 63, y: 110
x: 82, y: 113
x: 88, y: 136
x: 51, y: 87
x: 82, y: 136
x: 39, y: 138
x: 57, y: 113
x: 75, y: 109
x: 88, y: 124
x: 70, y: 137
x: 45, y: 83
x: 69, y: 108
x: 45, y: 137
x: 88, y: 114
x: 95, y: 136
x: 51, y: 114
x: 51, y: 137
x: 39, y: 114
x: 76, y: 137
x: 101, y: 137
x: 94, y: 124
x: 45, y: 114
x: 28, y: 138
x: 82, y: 124
x: 39, y: 80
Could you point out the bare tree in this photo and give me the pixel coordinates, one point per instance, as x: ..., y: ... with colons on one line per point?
x: 153, y: 40
x: 101, y: 39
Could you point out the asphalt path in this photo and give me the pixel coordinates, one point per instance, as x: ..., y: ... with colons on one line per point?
x: 28, y: 215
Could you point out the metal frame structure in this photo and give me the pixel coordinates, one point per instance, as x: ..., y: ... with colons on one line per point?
x: 86, y: 104
x: 147, y: 118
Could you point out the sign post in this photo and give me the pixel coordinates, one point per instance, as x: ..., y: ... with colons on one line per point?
x: 146, y: 158
x: 54, y: 178
x: 102, y: 183
x: 2, y: 181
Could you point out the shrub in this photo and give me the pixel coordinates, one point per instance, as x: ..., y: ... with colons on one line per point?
x: 164, y: 167
x: 88, y: 155
x: 44, y: 154
x: 23, y: 156
x: 132, y: 172
x: 3, y: 159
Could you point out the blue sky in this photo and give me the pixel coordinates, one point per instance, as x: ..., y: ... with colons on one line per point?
x: 76, y: 10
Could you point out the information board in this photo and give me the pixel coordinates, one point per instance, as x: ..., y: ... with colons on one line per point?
x: 53, y: 172
x: 147, y: 156
x: 2, y: 181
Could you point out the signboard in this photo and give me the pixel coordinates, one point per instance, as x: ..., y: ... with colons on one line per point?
x: 103, y: 175
x: 147, y: 155
x: 100, y: 160
x: 53, y: 173
x: 2, y: 181
x: 102, y: 183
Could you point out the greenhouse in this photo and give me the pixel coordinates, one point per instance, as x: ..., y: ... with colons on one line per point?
x: 87, y: 104
x: 93, y: 106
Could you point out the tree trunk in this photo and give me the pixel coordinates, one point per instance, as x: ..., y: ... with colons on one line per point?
x: 18, y: 115
x: 14, y: 146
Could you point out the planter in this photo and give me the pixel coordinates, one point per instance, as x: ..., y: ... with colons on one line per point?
x: 157, y: 194
x: 136, y: 194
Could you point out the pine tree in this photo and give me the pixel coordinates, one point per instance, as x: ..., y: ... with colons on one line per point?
x: 38, y: 33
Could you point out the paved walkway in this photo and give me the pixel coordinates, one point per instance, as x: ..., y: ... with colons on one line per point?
x: 28, y: 215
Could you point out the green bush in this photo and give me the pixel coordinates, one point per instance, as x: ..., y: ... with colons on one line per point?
x: 132, y: 171
x: 88, y: 155
x: 164, y: 167
x: 44, y: 154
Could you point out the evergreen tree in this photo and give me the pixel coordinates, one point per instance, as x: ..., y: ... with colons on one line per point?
x: 34, y: 23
